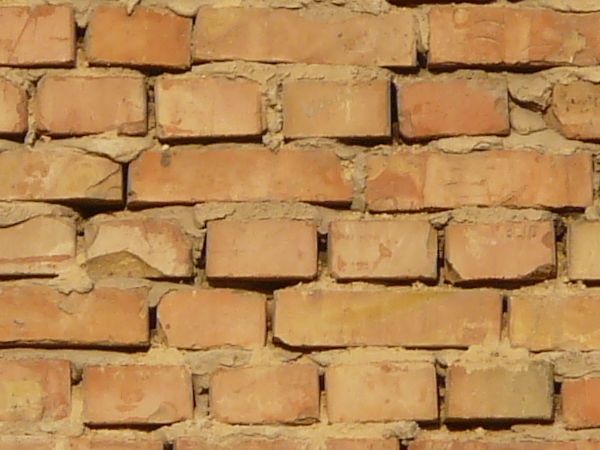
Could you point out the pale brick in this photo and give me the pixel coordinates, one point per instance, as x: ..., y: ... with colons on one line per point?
x: 85, y: 443
x: 13, y: 107
x: 239, y: 442
x: 510, y: 444
x: 575, y: 109
x: 27, y: 443
x: 583, y: 250
x: 362, y: 444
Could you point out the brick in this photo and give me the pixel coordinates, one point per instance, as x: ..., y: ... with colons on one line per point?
x: 42, y: 35
x: 485, y: 35
x: 583, y: 245
x: 575, y: 108
x: 136, y: 246
x: 510, y: 391
x: 136, y: 395
x: 510, y: 445
x: 362, y: 444
x: 42, y: 245
x: 452, y: 106
x: 86, y: 104
x: 382, y: 249
x: 238, y: 173
x: 397, y: 317
x: 13, y: 107
x: 266, y: 395
x: 206, y: 318
x: 86, y: 443
x: 580, y: 402
x: 413, y: 181
x: 239, y: 442
x: 342, y: 109
x: 520, y: 250
x: 272, y: 249
x: 40, y: 175
x: 105, y: 317
x: 344, y: 38
x: 193, y: 106
x: 34, y: 389
x: 27, y: 443
x: 381, y: 392
x: 148, y: 37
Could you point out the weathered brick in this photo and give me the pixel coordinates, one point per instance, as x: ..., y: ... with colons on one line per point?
x: 262, y: 395
x: 412, y: 181
x: 575, y: 109
x: 533, y: 444
x: 41, y: 35
x: 381, y: 392
x: 205, y: 318
x: 34, y: 389
x: 580, y: 407
x: 268, y: 249
x: 136, y: 395
x: 238, y: 173
x: 239, y: 442
x: 13, y: 107
x: 396, y: 317
x: 499, y: 391
x: 27, y: 443
x: 362, y: 444
x: 87, y: 104
x: 317, y: 108
x: 344, y: 38
x: 148, y: 37
x: 194, y: 106
x: 36, y: 314
x: 382, y: 249
x: 86, y: 443
x: 583, y: 247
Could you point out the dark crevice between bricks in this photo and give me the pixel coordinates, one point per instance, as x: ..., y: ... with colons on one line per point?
x: 395, y: 124
x: 209, y: 140
x: 524, y: 68
x: 440, y: 375
x: 557, y: 399
x: 260, y: 286
x: 168, y: 446
x: 127, y: 349
x: 491, y: 424
x: 125, y: 184
x: 389, y: 282
x: 504, y: 318
x: 508, y: 285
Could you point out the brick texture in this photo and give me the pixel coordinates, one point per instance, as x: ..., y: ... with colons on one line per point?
x: 365, y: 444
x: 247, y: 443
x: 13, y: 108
x: 580, y: 402
x: 583, y: 244
x: 574, y: 110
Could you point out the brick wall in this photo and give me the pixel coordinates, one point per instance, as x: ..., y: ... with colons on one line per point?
x: 299, y: 225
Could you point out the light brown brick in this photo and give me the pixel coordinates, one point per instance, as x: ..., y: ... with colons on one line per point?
x: 382, y: 249
x: 317, y: 108
x: 86, y: 443
x: 266, y: 394
x: 583, y: 247
x: 13, y: 107
x: 34, y: 389
x: 27, y: 443
x: 105, y: 317
x: 148, y: 37
x: 41, y: 35
x: 519, y: 444
x: 362, y: 444
x: 206, y: 318
x: 86, y: 104
x: 580, y: 402
x: 381, y: 392
x: 575, y: 109
x: 499, y: 391
x: 268, y: 249
x: 413, y: 181
x: 397, y: 317
x: 194, y: 106
x: 136, y: 395
x: 239, y: 442
x: 238, y: 173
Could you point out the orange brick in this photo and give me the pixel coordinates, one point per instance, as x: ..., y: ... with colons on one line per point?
x: 413, y: 181
x: 483, y: 35
x: 396, y: 317
x: 114, y: 444
x: 13, y: 107
x: 263, y: 395
x: 42, y: 35
x: 575, y: 108
x: 193, y: 106
x: 382, y: 249
x: 316, y: 108
x: 27, y: 443
x: 80, y: 104
x: 239, y: 442
x: 583, y: 245
x: 148, y: 37
x: 580, y: 407
x: 340, y: 38
x: 41, y: 245
x: 511, y: 445
x: 238, y: 173
x: 36, y: 314
x: 452, y: 106
x: 381, y: 392
x: 205, y: 318
x: 40, y: 175
x: 261, y: 249
x: 136, y: 395
x: 34, y: 389
x: 362, y: 444
x: 510, y: 391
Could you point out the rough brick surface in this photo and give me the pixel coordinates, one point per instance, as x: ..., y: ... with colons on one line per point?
x: 13, y: 108
x: 363, y: 444
x: 27, y: 443
x: 583, y: 245
x: 517, y: 444
x: 580, y: 402
x: 233, y: 443
x: 114, y: 444
x: 575, y: 108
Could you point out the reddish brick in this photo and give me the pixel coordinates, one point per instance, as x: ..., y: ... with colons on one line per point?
x: 87, y: 104
x: 136, y: 395
x: 205, y: 318
x: 194, y: 106
x: 13, y: 107
x: 580, y: 407
x: 42, y: 35
x: 238, y: 173
x: 316, y: 108
x: 396, y: 317
x: 362, y: 444
x: 148, y: 37
x: 261, y: 249
x: 575, y: 109
x: 262, y: 395
x: 34, y: 389
x: 412, y: 181
x: 36, y: 314
x: 381, y: 392
x: 86, y: 443
x: 382, y: 249
x: 344, y: 38
x: 583, y: 245
x: 510, y: 445
x: 239, y: 442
